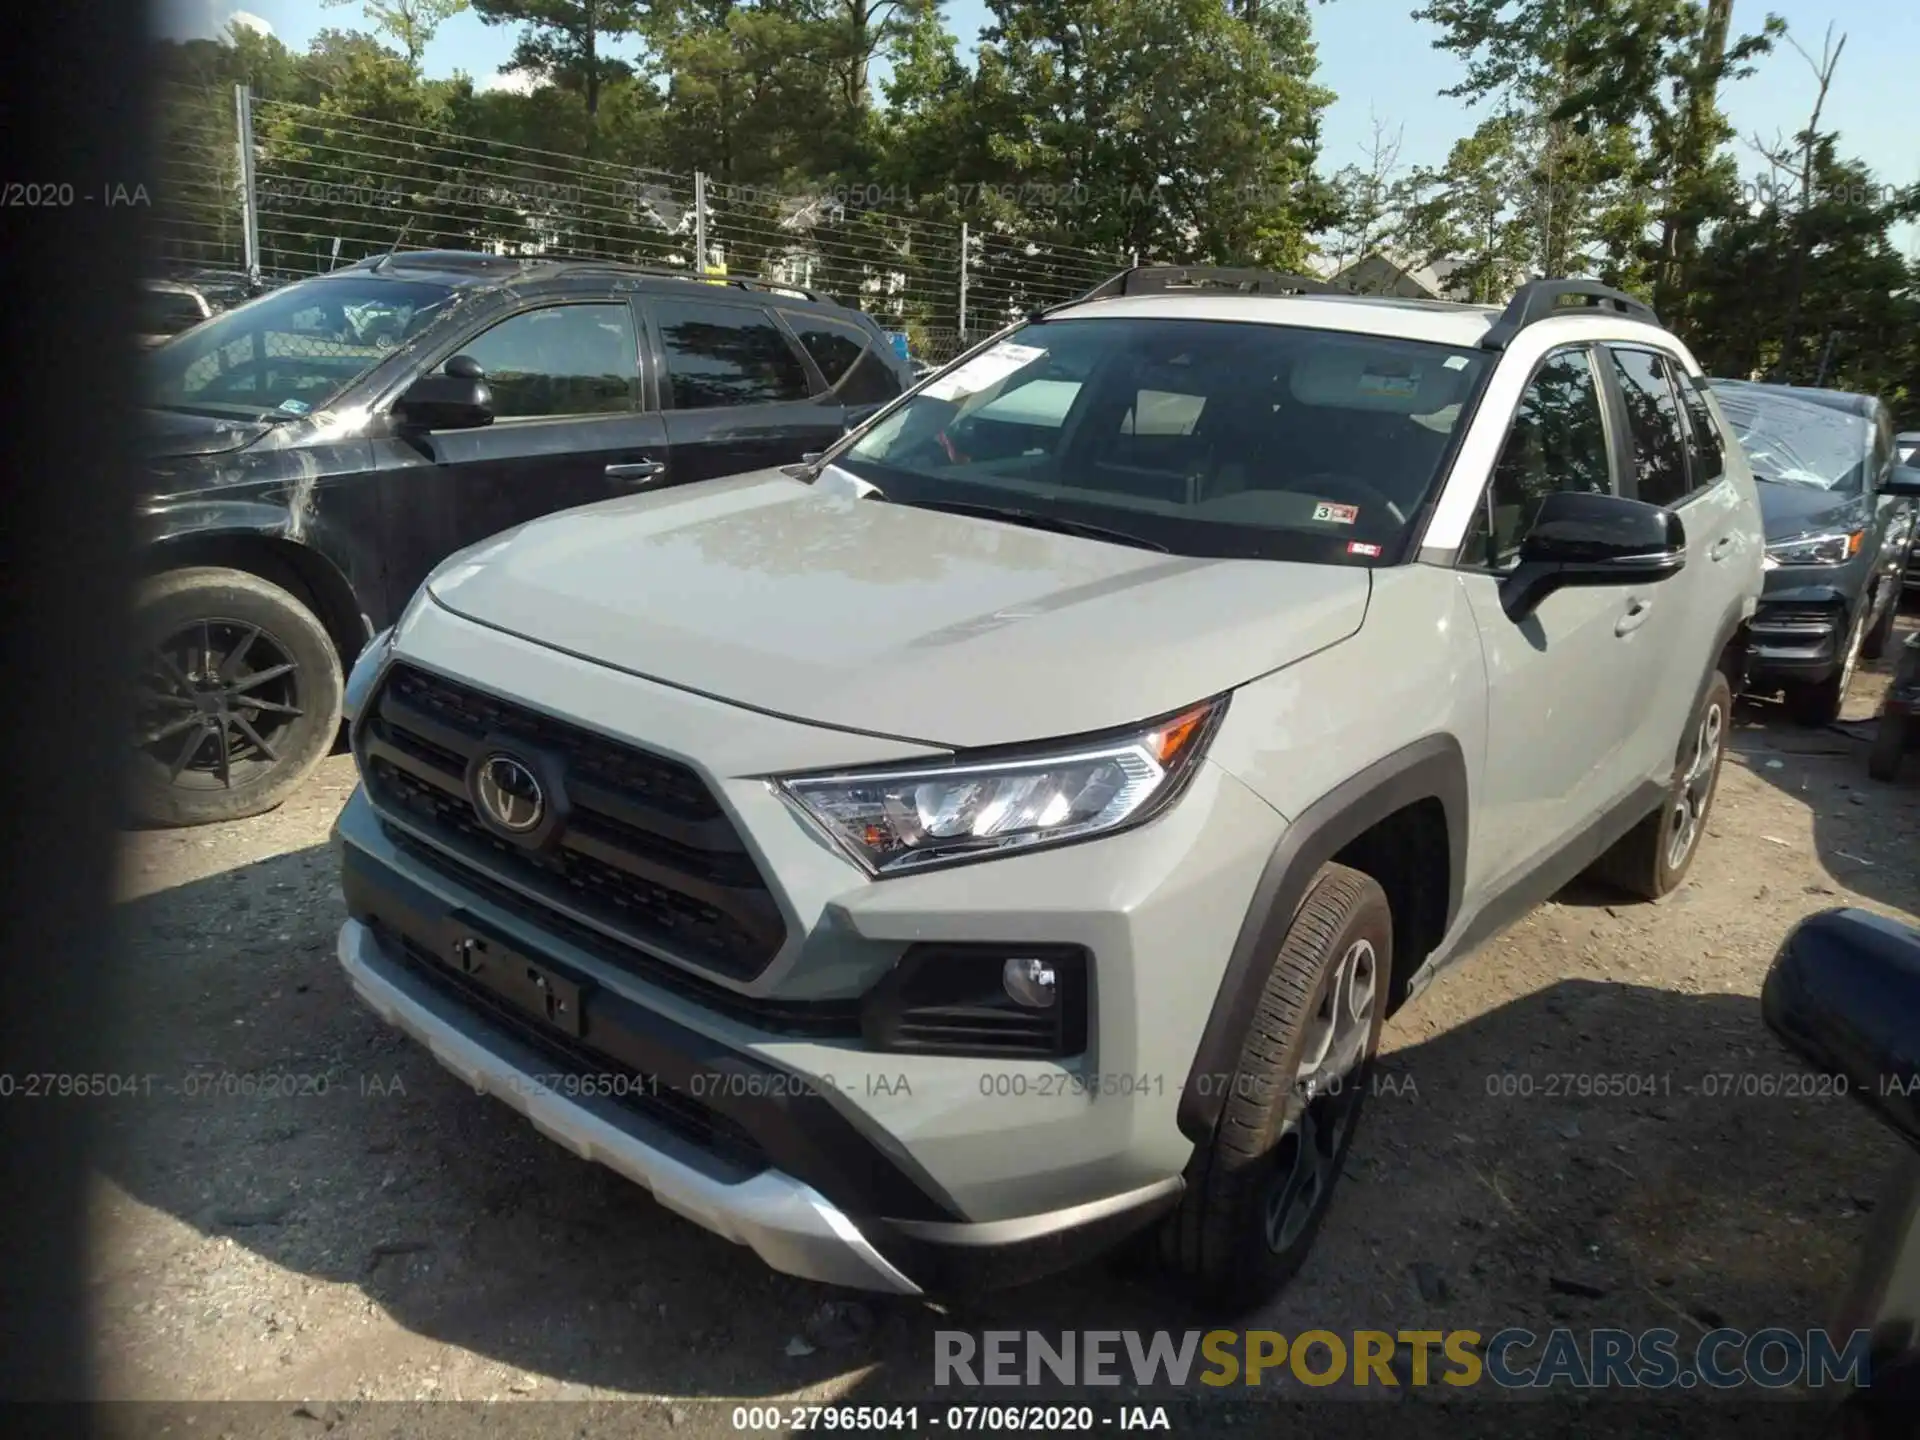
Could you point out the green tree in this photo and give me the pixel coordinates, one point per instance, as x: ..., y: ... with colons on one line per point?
x: 1176, y: 128
x: 1643, y: 75
x: 1472, y: 211
x: 566, y: 42
x: 411, y: 23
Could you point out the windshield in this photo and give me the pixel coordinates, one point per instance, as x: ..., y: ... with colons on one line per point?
x: 290, y: 351
x: 1205, y: 437
x: 1791, y: 441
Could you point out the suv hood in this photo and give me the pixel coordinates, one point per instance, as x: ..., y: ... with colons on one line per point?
x: 167, y: 434
x: 864, y: 615
x: 1789, y: 510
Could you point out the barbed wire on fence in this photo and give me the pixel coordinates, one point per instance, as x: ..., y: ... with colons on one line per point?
x: 330, y: 188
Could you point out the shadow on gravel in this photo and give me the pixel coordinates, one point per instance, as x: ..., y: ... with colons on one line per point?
x: 1866, y: 832
x: 1525, y: 1193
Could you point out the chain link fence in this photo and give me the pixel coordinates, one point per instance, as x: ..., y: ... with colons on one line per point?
x: 271, y: 191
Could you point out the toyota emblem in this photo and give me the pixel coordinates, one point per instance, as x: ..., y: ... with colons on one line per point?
x: 508, y: 794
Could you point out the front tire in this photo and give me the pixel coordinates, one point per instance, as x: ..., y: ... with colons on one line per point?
x: 1257, y: 1192
x: 236, y: 696
x: 1651, y: 859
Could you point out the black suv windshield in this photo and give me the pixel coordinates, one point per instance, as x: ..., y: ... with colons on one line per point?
x: 1203, y: 437
x: 1794, y: 441
x: 293, y: 350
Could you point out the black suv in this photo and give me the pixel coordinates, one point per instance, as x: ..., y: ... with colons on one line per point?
x: 317, y: 450
x: 1833, y: 493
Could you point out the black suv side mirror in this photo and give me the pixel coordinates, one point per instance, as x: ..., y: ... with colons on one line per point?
x: 458, y: 398
x: 1902, y: 480
x: 1579, y: 538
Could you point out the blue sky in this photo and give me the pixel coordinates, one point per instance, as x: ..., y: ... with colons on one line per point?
x: 1381, y: 63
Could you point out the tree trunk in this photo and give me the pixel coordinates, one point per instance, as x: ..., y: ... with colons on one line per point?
x: 589, y: 45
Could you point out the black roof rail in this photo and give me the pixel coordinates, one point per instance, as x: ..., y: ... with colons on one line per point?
x: 1543, y: 299
x: 1151, y: 279
x: 664, y: 272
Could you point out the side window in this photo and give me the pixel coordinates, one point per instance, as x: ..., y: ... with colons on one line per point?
x: 1558, y: 441
x: 1706, y: 449
x: 1659, y: 460
x: 834, y: 347
x: 727, y: 355
x: 847, y: 356
x: 563, y: 360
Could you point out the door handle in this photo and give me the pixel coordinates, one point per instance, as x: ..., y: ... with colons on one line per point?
x: 1722, y: 548
x: 639, y: 470
x: 1636, y: 616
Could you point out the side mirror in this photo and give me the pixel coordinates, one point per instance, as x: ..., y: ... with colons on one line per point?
x: 1902, y: 480
x: 457, y: 398
x: 1580, y: 538
x: 1844, y: 995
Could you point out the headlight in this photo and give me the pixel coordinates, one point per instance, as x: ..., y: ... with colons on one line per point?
x: 1829, y: 549
x: 366, y: 670
x: 908, y: 819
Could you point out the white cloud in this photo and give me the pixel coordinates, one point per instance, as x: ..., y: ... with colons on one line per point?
x: 247, y: 20
x: 517, y: 81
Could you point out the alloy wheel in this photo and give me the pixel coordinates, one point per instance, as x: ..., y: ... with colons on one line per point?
x: 1325, y: 1095
x: 1696, y: 786
x: 213, y: 701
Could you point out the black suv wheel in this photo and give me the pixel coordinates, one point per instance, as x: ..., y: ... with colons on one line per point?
x: 236, y: 696
x: 1256, y: 1194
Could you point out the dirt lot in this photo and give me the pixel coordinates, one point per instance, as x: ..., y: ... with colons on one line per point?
x: 397, y: 1238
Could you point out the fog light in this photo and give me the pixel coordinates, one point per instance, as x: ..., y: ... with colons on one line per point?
x: 1031, y: 983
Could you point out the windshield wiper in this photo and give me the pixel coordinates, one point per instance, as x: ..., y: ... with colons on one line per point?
x: 1034, y: 520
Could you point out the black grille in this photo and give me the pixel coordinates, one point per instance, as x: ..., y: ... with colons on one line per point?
x: 809, y: 1019
x: 1797, y: 617
x: 646, y: 849
x: 643, y: 1095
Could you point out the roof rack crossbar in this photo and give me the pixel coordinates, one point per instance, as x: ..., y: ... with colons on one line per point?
x: 1543, y: 299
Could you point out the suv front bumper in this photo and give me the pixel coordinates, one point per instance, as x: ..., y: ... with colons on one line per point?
x: 1798, y: 634
x: 788, y: 1224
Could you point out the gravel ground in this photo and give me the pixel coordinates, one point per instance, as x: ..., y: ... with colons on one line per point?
x: 364, y: 1228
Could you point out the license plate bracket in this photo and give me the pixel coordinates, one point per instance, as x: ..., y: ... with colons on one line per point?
x: 540, y: 990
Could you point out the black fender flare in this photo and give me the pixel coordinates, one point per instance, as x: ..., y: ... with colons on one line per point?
x: 1433, y: 768
x: 208, y: 532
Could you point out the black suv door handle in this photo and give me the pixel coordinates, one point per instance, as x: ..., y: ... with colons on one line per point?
x: 639, y: 470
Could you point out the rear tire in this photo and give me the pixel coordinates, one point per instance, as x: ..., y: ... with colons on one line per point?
x: 1257, y: 1192
x: 1889, y: 748
x: 235, y: 696
x: 1652, y: 859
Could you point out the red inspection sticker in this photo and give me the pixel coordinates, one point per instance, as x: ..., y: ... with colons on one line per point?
x: 1360, y: 547
x: 1338, y: 514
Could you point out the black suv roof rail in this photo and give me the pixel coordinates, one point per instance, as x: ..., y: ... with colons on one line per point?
x: 1542, y: 299
x: 477, y: 262
x: 1151, y: 279
x: 665, y: 272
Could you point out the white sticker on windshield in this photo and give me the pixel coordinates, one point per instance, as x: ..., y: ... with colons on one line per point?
x: 987, y: 368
